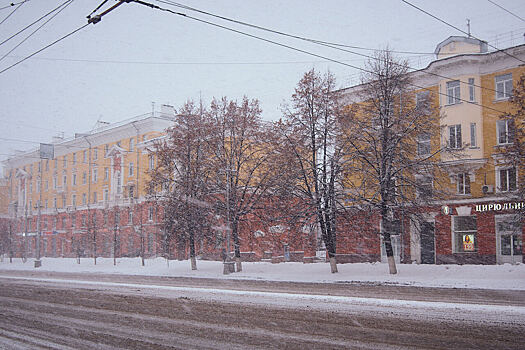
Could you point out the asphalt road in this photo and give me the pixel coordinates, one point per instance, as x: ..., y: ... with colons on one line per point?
x: 86, y: 311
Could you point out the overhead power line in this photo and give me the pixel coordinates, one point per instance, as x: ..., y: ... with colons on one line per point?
x: 38, y: 20
x: 16, y: 8
x: 504, y: 9
x: 176, y: 4
x: 459, y: 29
x: 292, y: 48
x: 42, y: 49
x: 318, y: 42
x: 69, y: 2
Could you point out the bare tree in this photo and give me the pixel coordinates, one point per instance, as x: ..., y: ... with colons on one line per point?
x: 241, y: 145
x: 312, y: 144
x: 182, y: 174
x: 394, y: 157
x: 514, y: 132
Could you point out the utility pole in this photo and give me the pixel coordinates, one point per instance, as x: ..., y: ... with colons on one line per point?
x: 38, y: 262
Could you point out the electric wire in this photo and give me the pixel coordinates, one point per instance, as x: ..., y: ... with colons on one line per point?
x: 504, y: 9
x: 45, y: 47
x: 9, y: 15
x: 300, y: 50
x: 13, y: 4
x: 38, y: 20
x: 69, y: 2
x: 282, y: 33
x: 459, y: 29
x: 318, y: 42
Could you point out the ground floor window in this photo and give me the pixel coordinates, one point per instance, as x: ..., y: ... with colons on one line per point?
x: 465, y: 234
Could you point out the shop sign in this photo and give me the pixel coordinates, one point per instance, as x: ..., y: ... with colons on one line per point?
x: 500, y: 207
x: 468, y: 243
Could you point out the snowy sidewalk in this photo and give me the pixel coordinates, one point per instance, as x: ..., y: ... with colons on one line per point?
x: 448, y: 276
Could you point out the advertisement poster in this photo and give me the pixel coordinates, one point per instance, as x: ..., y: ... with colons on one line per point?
x: 468, y: 243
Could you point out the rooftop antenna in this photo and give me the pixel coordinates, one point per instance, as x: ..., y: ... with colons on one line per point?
x: 468, y: 27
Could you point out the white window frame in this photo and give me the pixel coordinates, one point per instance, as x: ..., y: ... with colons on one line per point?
x: 458, y: 139
x: 453, y: 92
x: 498, y: 179
x: 471, y: 91
x: 455, y: 248
x: 508, y: 137
x: 462, y: 183
x: 503, y: 86
x: 473, y: 136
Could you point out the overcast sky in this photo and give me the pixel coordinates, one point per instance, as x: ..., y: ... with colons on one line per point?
x: 136, y: 55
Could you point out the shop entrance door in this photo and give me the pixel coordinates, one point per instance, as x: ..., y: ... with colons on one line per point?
x: 428, y: 247
x: 508, y: 240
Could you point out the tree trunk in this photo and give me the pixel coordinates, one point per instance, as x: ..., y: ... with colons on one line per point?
x: 389, y: 253
x: 236, y: 243
x: 333, y: 265
x: 192, y: 250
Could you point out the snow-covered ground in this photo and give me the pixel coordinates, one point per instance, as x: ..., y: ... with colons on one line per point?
x: 449, y: 276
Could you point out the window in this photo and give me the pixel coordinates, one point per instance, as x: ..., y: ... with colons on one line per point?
x: 55, y: 182
x: 73, y: 220
x: 84, y: 200
x: 151, y: 162
x: 130, y: 169
x: 455, y: 136
x: 131, y: 191
x: 74, y: 179
x: 64, y: 202
x: 106, y: 195
x: 131, y: 144
x: 47, y: 164
x: 64, y: 180
x: 46, y: 204
x: 503, y: 86
x: 94, y: 197
x: 54, y: 202
x: 74, y: 158
x: 422, y: 100
x: 95, y: 153
x: 505, y: 131
x: 83, y: 223
x: 65, y: 162
x: 465, y: 234
x: 473, y: 142
x: 423, y: 144
x: 84, y: 157
x: 453, y: 92
x: 106, y: 150
x: 130, y: 217
x: 463, y: 183
x: 117, y: 218
x: 507, y: 180
x: 150, y: 214
x: 63, y: 222
x: 40, y: 167
x: 471, y: 96
x: 424, y: 187
x: 74, y: 200
x: 84, y: 177
x: 95, y: 176
x: 106, y: 173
